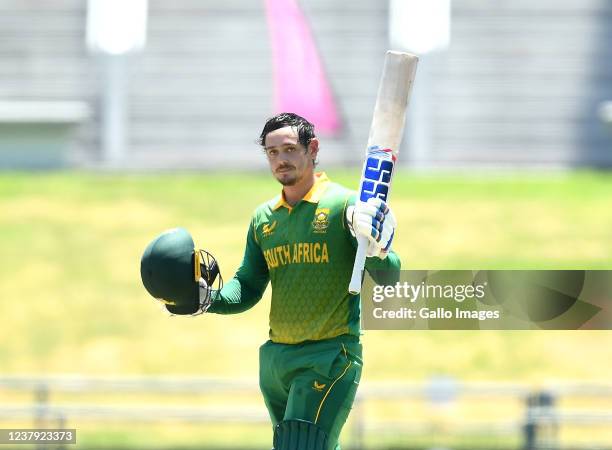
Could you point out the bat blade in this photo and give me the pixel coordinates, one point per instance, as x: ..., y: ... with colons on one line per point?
x: 385, y: 136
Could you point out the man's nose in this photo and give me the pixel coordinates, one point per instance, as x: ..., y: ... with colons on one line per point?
x: 283, y: 157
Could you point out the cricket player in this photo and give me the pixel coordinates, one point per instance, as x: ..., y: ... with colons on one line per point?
x: 303, y: 242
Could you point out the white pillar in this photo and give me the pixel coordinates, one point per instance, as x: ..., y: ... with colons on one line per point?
x: 114, y: 107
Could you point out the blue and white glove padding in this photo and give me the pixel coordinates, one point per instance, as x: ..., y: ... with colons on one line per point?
x: 375, y: 221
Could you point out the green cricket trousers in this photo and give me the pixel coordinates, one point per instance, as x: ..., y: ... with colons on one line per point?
x: 315, y: 381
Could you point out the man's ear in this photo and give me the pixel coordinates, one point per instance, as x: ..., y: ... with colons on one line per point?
x: 313, y: 148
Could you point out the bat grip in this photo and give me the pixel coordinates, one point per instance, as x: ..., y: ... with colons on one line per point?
x: 360, y: 257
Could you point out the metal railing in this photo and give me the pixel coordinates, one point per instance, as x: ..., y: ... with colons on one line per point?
x: 539, y: 426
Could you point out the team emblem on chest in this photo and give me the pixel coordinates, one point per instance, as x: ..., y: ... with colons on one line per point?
x: 321, y: 220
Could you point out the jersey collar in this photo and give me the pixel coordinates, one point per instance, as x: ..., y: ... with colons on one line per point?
x: 313, y: 195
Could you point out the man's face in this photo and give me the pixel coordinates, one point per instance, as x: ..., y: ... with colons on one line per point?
x: 289, y: 161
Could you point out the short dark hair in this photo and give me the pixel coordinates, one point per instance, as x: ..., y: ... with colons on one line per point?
x: 304, y: 128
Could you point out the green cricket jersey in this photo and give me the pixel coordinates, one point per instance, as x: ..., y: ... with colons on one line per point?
x: 307, y: 253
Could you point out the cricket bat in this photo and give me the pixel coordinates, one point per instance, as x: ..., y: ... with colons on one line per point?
x: 383, y: 143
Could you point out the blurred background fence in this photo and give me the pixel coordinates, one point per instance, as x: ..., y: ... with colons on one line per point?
x: 520, y: 83
x: 538, y: 419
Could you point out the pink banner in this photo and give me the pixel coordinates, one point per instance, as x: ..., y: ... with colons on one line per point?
x: 300, y: 83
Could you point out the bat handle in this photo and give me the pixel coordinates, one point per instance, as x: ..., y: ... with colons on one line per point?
x: 360, y: 257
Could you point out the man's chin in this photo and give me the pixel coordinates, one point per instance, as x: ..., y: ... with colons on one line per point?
x: 287, y: 179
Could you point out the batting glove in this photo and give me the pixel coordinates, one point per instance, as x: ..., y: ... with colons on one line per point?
x: 209, y: 280
x: 374, y: 220
x: 206, y: 294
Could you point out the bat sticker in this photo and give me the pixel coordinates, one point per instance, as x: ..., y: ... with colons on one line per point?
x: 377, y: 173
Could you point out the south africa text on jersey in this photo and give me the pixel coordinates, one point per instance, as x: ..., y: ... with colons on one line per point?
x: 299, y: 252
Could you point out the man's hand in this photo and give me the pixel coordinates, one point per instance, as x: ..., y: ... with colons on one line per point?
x: 205, y: 295
x: 375, y: 221
x: 209, y: 272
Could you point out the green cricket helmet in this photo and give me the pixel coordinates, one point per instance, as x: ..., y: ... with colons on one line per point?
x: 171, y: 268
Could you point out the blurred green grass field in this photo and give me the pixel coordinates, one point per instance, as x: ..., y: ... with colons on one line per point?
x: 72, y: 300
